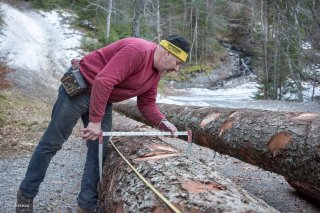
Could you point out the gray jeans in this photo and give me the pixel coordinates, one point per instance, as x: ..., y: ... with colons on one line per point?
x: 65, y: 114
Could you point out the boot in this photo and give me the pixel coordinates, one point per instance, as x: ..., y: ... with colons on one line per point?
x: 24, y: 204
x: 81, y: 210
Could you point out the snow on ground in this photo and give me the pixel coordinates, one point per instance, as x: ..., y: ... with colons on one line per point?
x: 38, y: 45
x: 37, y: 40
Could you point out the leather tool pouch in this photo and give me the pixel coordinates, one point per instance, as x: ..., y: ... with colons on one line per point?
x: 73, y: 82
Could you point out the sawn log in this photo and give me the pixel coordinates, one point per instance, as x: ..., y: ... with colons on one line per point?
x: 190, y: 185
x: 287, y: 143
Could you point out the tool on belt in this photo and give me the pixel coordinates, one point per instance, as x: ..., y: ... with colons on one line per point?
x: 188, y: 133
x: 73, y: 81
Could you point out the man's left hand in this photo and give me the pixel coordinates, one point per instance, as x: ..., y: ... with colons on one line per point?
x: 167, y: 126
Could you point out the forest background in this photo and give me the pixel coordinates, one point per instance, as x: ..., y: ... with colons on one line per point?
x: 282, y: 37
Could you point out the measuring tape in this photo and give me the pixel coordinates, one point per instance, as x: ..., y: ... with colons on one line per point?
x: 164, y: 199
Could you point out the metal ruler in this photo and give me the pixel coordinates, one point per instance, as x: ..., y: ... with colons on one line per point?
x: 189, y: 132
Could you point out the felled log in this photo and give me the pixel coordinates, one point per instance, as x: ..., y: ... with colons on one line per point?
x: 287, y: 143
x: 190, y: 185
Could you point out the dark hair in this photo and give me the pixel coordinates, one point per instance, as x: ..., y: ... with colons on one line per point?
x: 179, y: 42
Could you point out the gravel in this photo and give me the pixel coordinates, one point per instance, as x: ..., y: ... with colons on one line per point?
x: 272, y: 105
x: 58, y: 191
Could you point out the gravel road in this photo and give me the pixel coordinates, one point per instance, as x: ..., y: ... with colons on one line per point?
x: 272, y: 105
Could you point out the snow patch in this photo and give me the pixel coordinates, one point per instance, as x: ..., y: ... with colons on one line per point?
x: 41, y: 42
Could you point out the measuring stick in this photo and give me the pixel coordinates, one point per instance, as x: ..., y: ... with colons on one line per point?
x: 145, y: 133
x: 188, y: 133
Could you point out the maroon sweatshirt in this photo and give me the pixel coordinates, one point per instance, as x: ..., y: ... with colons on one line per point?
x: 120, y: 71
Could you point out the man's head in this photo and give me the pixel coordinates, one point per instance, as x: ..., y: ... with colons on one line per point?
x: 171, y: 53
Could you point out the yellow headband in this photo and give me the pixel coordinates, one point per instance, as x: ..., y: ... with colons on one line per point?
x: 173, y: 49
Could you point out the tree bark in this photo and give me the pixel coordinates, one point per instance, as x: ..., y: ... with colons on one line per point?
x: 139, y: 8
x: 158, y: 17
x: 286, y: 143
x: 190, y: 185
x: 108, y: 18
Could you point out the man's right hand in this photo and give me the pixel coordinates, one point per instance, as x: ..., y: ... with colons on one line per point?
x: 92, y: 131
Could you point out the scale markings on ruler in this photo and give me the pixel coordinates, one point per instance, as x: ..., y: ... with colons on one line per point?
x: 142, y: 133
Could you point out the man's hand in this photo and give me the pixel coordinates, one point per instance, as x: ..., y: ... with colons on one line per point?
x: 166, y: 126
x: 92, y: 131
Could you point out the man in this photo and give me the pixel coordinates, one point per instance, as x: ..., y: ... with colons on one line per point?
x: 124, y: 69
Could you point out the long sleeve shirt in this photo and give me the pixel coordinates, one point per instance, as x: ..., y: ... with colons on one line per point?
x: 120, y: 71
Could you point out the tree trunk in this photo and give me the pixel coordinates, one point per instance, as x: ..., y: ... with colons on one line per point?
x: 286, y: 143
x: 298, y: 49
x: 276, y: 76
x: 265, y: 30
x: 108, y: 19
x: 190, y: 185
x: 159, y: 31
x: 139, y: 8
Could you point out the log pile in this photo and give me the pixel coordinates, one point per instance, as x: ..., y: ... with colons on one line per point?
x: 190, y: 185
x: 287, y: 143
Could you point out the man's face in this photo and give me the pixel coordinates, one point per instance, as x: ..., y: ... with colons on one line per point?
x: 169, y: 63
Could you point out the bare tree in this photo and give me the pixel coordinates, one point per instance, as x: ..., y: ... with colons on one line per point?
x: 108, y: 18
x: 106, y: 7
x: 194, y: 42
x: 158, y: 20
x: 139, y: 9
x: 276, y: 79
x: 264, y: 13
